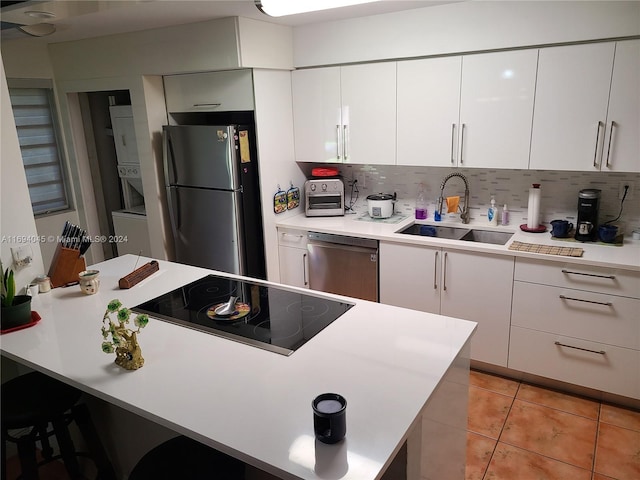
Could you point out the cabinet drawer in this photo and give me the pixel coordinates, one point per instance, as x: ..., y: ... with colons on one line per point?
x: 292, y: 238
x: 616, y: 371
x: 625, y: 283
x: 590, y: 316
x: 206, y: 92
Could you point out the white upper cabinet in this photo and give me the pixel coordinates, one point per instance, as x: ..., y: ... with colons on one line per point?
x: 317, y: 120
x: 621, y: 150
x: 571, y: 107
x: 223, y: 91
x: 428, y: 111
x: 471, y: 111
x: 496, y: 109
x: 369, y: 113
x: 345, y: 114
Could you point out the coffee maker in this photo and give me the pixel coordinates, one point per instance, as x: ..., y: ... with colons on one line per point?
x: 587, y: 224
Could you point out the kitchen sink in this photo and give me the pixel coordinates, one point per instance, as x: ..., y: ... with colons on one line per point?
x: 487, y: 236
x: 456, y: 233
x: 451, y: 233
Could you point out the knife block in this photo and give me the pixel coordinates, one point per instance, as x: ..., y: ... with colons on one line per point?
x: 65, y: 266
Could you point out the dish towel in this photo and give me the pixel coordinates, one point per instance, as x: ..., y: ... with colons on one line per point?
x: 546, y: 249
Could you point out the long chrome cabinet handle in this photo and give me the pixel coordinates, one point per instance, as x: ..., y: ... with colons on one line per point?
x: 345, y: 136
x: 435, y: 271
x: 464, y: 125
x: 613, y: 124
x: 338, y: 141
x: 197, y: 105
x: 599, y: 352
x: 595, y: 153
x: 606, y: 304
x: 299, y: 237
x: 610, y: 277
x: 304, y: 269
x: 444, y: 273
x: 453, y: 143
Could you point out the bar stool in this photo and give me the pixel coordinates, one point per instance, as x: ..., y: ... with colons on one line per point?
x: 182, y: 457
x: 33, y: 401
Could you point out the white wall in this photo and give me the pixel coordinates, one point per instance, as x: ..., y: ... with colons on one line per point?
x: 462, y: 27
x: 16, y: 216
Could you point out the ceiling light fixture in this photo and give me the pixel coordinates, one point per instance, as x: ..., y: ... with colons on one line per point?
x: 280, y: 8
x: 39, y: 14
x: 38, y: 29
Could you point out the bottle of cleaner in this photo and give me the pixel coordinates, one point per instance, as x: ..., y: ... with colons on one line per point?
x: 421, y: 203
x: 505, y: 215
x: 492, y: 213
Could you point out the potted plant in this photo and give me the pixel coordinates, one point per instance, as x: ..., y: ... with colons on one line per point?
x: 16, y: 309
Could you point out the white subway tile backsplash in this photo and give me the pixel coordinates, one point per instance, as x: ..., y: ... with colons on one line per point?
x: 559, y: 190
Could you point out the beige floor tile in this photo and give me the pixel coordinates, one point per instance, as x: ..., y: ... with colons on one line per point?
x: 513, y: 463
x: 618, y: 452
x: 552, y: 433
x: 479, y: 451
x: 495, y: 383
x: 622, y: 417
x: 487, y: 412
x: 560, y: 401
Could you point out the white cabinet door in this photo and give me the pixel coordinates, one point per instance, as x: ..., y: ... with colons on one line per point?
x: 622, y: 140
x: 317, y: 122
x: 478, y: 287
x: 572, y: 93
x: 224, y: 91
x: 369, y: 113
x: 293, y: 266
x: 496, y: 109
x: 428, y: 104
x: 410, y: 276
x: 124, y: 134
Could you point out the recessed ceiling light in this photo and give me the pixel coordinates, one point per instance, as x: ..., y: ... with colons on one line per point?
x: 39, y: 14
x: 279, y: 8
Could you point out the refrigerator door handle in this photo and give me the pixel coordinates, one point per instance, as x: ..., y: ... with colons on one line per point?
x: 174, y: 209
x: 168, y: 158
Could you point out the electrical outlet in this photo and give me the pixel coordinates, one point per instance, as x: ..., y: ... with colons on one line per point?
x: 360, y: 179
x: 629, y: 192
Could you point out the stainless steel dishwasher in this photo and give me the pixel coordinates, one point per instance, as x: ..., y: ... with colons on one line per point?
x: 343, y: 265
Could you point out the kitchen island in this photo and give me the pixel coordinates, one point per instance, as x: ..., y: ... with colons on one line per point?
x: 404, y: 374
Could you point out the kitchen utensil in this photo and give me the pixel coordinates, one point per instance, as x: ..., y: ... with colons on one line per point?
x: 381, y: 205
x: 560, y: 228
x: 329, y: 417
x: 241, y: 311
x: 607, y: 233
x: 227, y: 309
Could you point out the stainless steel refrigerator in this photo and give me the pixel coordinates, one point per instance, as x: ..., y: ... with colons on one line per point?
x: 213, y: 196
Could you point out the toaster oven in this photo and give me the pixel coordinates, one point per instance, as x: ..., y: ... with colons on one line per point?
x: 324, y: 197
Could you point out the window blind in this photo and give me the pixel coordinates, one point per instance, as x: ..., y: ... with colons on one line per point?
x: 33, y: 110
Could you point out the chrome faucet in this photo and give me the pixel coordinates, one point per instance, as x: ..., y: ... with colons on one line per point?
x: 464, y: 216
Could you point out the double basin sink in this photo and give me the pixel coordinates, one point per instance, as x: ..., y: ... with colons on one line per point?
x: 456, y: 233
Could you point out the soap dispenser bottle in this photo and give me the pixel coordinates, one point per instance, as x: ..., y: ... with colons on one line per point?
x: 492, y: 213
x: 421, y: 203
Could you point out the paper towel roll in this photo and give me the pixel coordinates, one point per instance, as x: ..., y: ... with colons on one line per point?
x: 533, y: 216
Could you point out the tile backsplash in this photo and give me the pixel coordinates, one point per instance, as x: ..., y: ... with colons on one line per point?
x: 559, y: 197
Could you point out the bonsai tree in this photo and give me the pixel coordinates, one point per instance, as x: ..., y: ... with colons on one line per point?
x: 118, y: 337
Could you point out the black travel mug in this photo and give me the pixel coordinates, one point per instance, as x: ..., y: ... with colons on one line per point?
x: 329, y: 417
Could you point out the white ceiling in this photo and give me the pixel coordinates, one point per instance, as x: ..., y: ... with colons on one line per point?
x: 79, y: 19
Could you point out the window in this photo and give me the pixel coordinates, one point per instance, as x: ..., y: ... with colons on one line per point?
x: 35, y: 115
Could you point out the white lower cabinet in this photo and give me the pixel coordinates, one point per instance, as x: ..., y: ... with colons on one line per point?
x: 589, y: 364
x: 470, y: 286
x: 577, y: 324
x: 293, y: 262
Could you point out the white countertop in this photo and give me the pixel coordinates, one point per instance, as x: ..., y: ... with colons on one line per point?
x: 245, y: 401
x: 625, y: 257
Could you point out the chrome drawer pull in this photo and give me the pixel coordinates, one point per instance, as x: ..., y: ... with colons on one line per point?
x: 599, y: 352
x: 304, y: 269
x: 292, y: 235
x: 197, y: 105
x: 606, y: 304
x: 612, y: 277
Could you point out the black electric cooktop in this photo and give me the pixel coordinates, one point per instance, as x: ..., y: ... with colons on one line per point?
x: 268, y: 317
